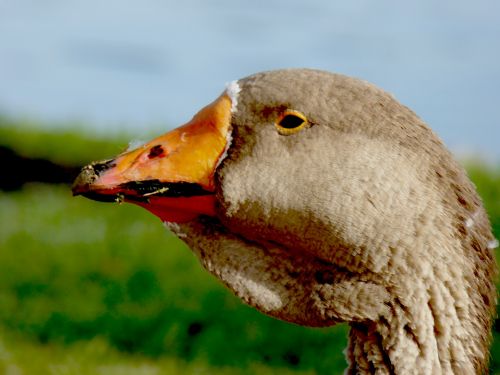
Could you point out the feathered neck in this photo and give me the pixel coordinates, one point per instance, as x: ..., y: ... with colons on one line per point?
x: 439, y: 326
x: 433, y: 335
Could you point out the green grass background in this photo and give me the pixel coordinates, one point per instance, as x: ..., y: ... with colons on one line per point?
x: 92, y: 288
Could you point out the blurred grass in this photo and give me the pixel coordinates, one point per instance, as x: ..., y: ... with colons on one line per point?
x: 65, y: 146
x: 87, y: 287
x: 96, y: 356
x: 71, y: 269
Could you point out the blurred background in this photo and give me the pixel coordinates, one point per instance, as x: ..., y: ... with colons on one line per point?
x: 93, y: 288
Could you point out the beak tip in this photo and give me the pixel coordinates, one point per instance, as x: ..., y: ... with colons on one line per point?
x: 84, y: 180
x: 79, y: 189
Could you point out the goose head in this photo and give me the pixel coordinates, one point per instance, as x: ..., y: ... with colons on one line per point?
x: 318, y: 198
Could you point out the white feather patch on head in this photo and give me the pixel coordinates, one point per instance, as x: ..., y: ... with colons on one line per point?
x: 232, y: 90
x: 229, y: 139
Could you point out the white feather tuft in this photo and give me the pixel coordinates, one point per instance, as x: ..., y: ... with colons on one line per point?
x: 175, y: 229
x: 493, y: 244
x: 229, y: 139
x: 470, y: 221
x: 232, y: 90
x: 348, y: 360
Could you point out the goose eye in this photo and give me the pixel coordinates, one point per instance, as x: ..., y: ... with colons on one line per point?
x: 291, y: 122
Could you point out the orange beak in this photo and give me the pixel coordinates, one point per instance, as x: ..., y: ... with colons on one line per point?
x: 173, y: 175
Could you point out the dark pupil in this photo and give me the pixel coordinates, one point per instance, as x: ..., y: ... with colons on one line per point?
x: 291, y: 121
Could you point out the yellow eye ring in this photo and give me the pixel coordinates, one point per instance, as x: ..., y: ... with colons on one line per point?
x: 291, y: 122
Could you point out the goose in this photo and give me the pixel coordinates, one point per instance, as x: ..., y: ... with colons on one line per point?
x: 318, y: 198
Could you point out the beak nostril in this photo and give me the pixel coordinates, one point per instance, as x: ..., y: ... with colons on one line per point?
x: 156, y: 151
x: 102, y: 166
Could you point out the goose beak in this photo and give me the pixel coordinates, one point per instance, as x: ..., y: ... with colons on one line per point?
x: 173, y: 175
